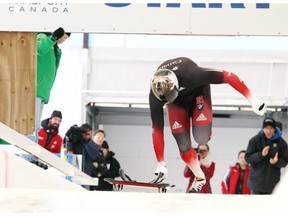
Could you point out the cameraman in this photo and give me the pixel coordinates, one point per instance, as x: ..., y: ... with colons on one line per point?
x: 207, y: 166
x: 76, y: 137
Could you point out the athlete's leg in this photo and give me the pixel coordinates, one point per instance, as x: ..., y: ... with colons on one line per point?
x: 202, y: 115
x: 180, y: 128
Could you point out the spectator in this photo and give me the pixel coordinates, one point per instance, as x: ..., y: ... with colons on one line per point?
x: 235, y: 179
x: 48, y: 136
x: 75, y: 138
x: 48, y: 60
x: 267, y: 154
x: 109, y: 169
x: 99, y: 138
x: 92, y: 153
x: 207, y: 166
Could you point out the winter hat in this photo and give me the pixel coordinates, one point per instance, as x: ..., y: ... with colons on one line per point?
x: 56, y: 113
x: 269, y: 122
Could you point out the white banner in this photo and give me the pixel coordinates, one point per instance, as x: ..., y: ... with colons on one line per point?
x: 148, y: 18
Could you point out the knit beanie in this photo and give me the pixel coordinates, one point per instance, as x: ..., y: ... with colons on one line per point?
x: 56, y: 113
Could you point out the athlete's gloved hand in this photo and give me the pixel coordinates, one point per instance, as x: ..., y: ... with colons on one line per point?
x: 161, y: 172
x: 58, y: 33
x: 259, y: 107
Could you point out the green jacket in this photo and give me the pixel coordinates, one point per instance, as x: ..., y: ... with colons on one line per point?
x: 47, y: 65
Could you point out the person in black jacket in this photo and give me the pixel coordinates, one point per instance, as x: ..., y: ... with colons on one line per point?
x: 93, y: 154
x: 108, y: 170
x: 267, y: 154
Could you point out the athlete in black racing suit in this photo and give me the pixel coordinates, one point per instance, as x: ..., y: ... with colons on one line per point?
x: 184, y: 88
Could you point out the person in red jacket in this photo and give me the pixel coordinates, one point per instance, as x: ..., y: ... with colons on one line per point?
x: 207, y: 166
x: 48, y: 136
x: 235, y: 180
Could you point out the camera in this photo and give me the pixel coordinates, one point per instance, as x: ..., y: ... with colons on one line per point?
x: 74, y: 134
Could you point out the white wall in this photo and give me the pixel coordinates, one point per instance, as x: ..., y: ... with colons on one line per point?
x: 127, y: 73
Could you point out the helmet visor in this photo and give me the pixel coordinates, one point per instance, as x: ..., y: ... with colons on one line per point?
x: 164, y: 85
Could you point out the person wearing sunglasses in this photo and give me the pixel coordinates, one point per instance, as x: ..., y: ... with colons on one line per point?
x: 207, y: 166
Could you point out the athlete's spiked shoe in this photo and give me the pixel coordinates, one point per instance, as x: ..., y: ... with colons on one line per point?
x: 197, y: 185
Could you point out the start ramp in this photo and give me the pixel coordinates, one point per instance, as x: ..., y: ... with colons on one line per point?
x: 19, y: 173
x: 14, y: 166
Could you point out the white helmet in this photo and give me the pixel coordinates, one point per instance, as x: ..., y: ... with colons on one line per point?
x: 164, y: 85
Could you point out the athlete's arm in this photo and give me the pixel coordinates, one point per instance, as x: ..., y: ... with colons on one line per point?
x: 157, y: 117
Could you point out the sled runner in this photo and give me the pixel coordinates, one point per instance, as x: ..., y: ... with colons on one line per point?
x: 127, y: 181
x: 118, y: 185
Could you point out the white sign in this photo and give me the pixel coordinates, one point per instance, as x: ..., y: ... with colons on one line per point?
x: 148, y: 18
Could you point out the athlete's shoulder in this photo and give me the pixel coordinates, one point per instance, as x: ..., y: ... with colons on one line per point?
x: 170, y: 63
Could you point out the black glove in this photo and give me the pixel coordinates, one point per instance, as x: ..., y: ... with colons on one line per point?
x: 58, y: 33
x: 102, y: 169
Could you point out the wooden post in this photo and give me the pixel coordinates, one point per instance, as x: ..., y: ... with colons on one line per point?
x: 18, y: 63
